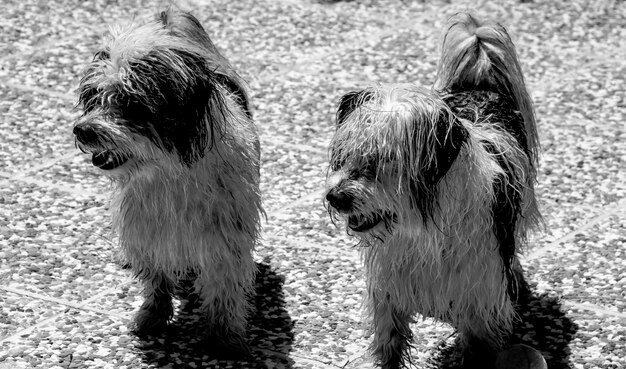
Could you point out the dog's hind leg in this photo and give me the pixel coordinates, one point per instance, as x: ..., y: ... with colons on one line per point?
x: 392, y: 335
x: 157, y: 309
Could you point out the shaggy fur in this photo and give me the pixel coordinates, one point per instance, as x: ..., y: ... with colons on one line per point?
x: 438, y: 185
x: 167, y: 118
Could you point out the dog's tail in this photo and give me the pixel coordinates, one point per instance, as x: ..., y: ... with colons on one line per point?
x: 481, y: 56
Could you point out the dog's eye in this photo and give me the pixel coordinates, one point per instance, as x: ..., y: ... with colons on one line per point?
x: 365, y: 171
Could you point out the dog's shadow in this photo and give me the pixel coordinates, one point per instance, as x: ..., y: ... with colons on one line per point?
x: 270, y: 336
x: 543, y: 325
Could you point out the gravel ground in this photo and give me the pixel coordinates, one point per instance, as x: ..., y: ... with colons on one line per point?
x: 66, y: 303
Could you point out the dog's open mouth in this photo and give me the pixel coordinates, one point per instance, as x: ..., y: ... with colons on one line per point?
x: 108, y: 159
x: 362, y: 223
x: 365, y: 222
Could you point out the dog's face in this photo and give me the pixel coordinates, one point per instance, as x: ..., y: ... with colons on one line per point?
x: 392, y: 146
x: 147, y: 100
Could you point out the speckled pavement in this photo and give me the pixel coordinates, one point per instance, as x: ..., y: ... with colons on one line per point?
x: 65, y: 302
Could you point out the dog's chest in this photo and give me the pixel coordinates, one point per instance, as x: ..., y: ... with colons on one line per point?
x: 164, y: 221
x: 437, y: 276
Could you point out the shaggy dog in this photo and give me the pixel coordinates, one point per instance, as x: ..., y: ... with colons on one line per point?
x: 438, y: 185
x: 167, y: 118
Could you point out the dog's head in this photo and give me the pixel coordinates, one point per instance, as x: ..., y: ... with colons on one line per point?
x: 392, y: 146
x: 154, y: 96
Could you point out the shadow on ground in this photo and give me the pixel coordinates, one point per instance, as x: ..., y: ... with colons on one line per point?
x: 546, y: 327
x: 543, y: 325
x: 183, y: 345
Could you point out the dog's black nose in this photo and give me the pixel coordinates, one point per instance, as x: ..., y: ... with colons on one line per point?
x: 339, y: 200
x: 85, y: 133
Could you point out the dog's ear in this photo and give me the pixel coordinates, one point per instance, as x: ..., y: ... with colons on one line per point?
x: 440, y: 148
x: 350, y: 102
x: 449, y: 136
x: 180, y: 90
x: 200, y: 110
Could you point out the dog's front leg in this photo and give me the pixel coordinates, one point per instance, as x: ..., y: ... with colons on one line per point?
x: 157, y: 308
x: 225, y: 294
x: 392, y: 334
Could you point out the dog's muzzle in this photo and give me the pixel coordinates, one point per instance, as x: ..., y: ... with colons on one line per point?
x: 339, y: 199
x: 344, y: 203
x: 88, y: 138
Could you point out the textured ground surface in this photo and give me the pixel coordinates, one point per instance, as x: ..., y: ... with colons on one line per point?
x: 65, y: 303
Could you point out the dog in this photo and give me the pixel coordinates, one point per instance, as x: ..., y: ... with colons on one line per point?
x: 438, y: 184
x: 168, y: 119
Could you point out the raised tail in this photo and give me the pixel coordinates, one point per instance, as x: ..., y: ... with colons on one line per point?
x: 481, y: 56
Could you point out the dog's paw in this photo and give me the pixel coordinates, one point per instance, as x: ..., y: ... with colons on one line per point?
x: 148, y: 322
x: 520, y: 357
x: 230, y: 347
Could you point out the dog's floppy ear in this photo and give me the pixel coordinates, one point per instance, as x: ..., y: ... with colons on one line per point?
x: 350, y: 102
x: 449, y: 136
x: 440, y: 148
x: 179, y: 84
x: 180, y: 90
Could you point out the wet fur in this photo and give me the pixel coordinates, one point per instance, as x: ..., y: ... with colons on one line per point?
x: 160, y: 99
x: 438, y: 185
